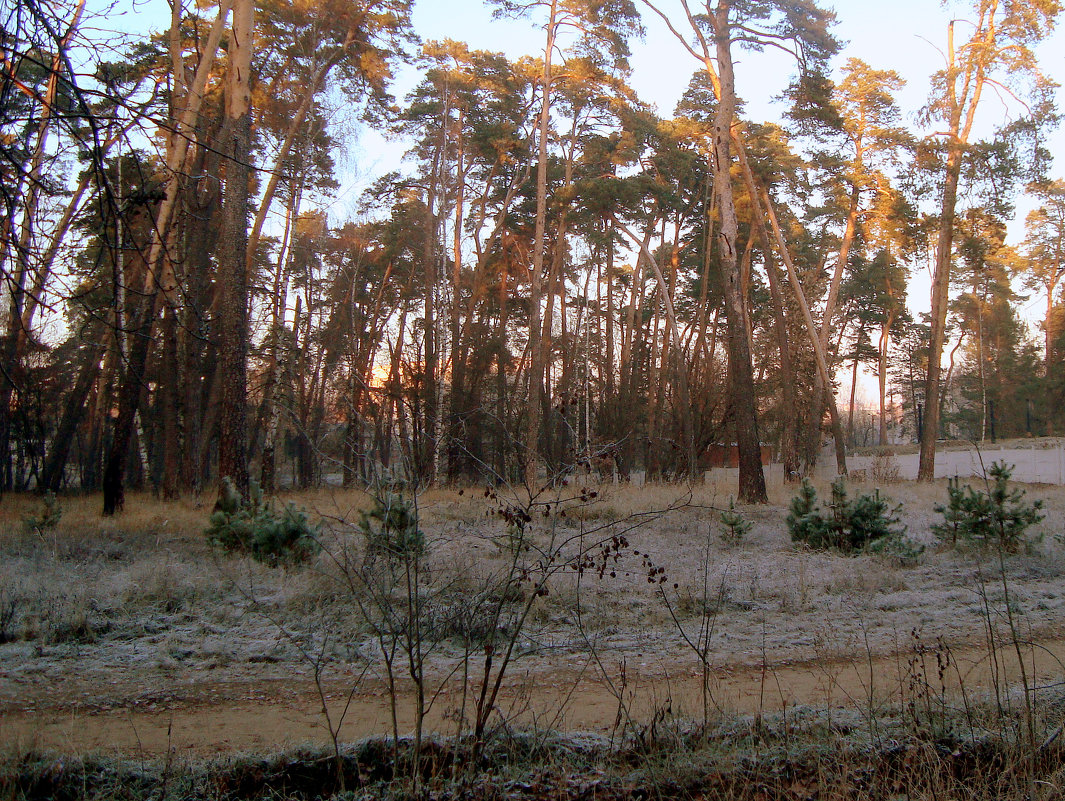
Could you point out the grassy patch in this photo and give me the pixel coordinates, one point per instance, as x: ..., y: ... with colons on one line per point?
x: 804, y: 755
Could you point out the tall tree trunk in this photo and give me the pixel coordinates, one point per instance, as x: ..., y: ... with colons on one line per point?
x: 815, y: 340
x: 458, y: 453
x: 159, y: 274
x: 173, y: 414
x: 741, y: 368
x: 395, y: 394
x: 680, y: 373
x: 608, y: 362
x: 962, y: 113
x: 823, y: 399
x: 196, y: 346
x: 275, y: 361
x: 926, y: 470
x: 426, y: 446
x: 233, y: 251
x: 1049, y: 359
x: 73, y: 410
x: 531, y: 442
x: 789, y: 407
x: 854, y: 386
x: 882, y: 359
x: 130, y: 393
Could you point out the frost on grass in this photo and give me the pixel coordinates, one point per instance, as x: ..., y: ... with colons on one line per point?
x: 101, y: 616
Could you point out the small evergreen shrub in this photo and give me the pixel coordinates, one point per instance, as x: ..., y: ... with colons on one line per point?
x: 390, y: 528
x: 804, y: 520
x: 256, y: 528
x: 735, y: 526
x: 48, y: 517
x: 997, y: 516
x: 848, y: 526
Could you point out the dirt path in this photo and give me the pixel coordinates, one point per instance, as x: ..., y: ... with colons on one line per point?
x: 264, y: 716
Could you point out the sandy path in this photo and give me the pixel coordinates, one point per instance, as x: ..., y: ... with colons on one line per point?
x: 267, y: 715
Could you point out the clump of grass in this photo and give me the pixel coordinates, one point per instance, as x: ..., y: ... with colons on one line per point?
x: 61, y: 618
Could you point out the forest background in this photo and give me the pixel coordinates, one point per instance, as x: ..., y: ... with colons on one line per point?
x: 209, y: 269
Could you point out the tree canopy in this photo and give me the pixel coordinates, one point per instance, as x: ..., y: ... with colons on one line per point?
x: 558, y: 278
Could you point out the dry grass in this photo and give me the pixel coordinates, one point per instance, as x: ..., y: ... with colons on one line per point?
x: 113, y: 609
x: 806, y: 755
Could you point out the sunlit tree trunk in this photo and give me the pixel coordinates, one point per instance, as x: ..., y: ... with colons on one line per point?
x: 744, y: 399
x: 789, y: 408
x: 233, y: 251
x: 811, y: 329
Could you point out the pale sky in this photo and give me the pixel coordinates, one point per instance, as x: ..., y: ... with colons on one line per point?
x: 904, y: 35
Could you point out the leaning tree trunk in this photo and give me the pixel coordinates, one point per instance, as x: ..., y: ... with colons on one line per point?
x: 536, y: 368
x: 815, y: 341
x: 823, y: 398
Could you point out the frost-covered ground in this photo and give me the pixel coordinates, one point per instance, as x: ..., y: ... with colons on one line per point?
x: 138, y: 614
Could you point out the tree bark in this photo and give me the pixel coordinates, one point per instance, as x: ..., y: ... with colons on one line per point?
x: 815, y: 341
x: 789, y: 408
x: 232, y: 261
x: 129, y: 398
x: 926, y: 470
x: 741, y: 369
x: 172, y: 395
x: 679, y: 370
x: 73, y: 410
x: 530, y: 458
x: 961, y: 110
x: 882, y: 359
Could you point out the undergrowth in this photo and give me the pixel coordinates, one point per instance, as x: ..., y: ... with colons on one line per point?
x: 255, y: 527
x: 45, y: 520
x: 997, y: 515
x: 803, y: 756
x: 848, y: 526
x: 734, y: 526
